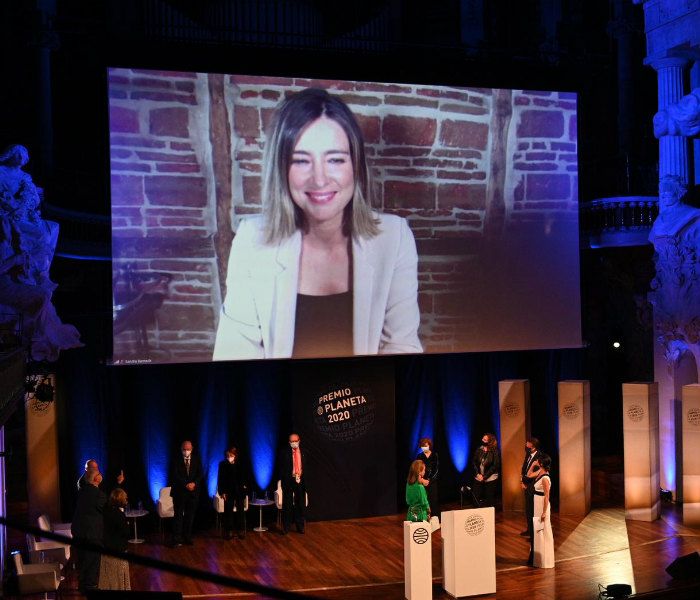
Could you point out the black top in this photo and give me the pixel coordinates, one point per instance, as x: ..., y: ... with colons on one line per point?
x: 230, y: 479
x: 432, y: 465
x: 323, y: 326
x: 116, y: 529
x: 491, y: 459
x: 87, y: 520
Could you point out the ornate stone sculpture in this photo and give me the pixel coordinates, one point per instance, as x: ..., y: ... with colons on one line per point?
x: 27, y: 244
x: 681, y: 118
x: 675, y: 289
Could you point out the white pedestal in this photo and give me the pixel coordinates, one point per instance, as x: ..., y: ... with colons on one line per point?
x: 514, y: 403
x: 469, y: 552
x: 417, y: 560
x: 640, y: 424
x: 574, y: 448
x: 691, y: 455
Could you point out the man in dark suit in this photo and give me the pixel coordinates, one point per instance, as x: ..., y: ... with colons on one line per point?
x: 185, y: 482
x: 87, y: 526
x: 293, y: 487
x: 527, y: 483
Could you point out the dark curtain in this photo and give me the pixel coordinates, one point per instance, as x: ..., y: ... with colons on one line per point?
x: 134, y: 418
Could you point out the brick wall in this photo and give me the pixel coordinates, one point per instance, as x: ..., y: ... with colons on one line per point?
x: 461, y: 164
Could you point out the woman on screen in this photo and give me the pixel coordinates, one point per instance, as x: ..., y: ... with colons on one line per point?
x: 319, y: 273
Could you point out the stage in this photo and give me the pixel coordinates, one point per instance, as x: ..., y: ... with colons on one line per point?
x: 363, y: 558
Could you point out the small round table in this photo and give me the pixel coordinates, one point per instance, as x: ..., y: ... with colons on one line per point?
x: 136, y: 514
x: 261, y: 503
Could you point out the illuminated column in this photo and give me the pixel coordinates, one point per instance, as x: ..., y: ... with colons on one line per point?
x: 514, y: 404
x: 42, y: 456
x: 691, y: 455
x: 574, y: 448
x: 640, y: 426
x: 673, y: 149
x: 695, y: 84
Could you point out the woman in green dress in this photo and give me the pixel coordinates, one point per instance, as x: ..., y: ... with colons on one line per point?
x: 416, y: 498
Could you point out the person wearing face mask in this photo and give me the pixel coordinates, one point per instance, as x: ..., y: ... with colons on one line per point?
x: 291, y: 466
x: 430, y: 478
x: 186, y: 479
x: 487, y: 467
x: 231, y: 487
x: 526, y: 483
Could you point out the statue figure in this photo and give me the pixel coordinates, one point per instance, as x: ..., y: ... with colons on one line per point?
x: 675, y: 288
x: 681, y: 118
x: 674, y: 214
x: 27, y: 244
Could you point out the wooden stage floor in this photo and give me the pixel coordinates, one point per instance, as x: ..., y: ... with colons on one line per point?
x: 363, y: 558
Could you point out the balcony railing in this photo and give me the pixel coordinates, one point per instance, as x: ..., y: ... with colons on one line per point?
x: 618, y: 221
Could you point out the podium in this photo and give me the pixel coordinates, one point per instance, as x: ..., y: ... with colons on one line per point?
x: 418, y: 558
x: 469, y: 552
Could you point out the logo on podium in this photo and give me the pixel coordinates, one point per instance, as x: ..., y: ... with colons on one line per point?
x: 511, y: 409
x: 693, y: 416
x: 474, y: 525
x: 420, y: 535
x: 570, y: 411
x: 635, y: 413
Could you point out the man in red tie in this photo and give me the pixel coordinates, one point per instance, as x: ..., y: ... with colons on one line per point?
x: 293, y: 488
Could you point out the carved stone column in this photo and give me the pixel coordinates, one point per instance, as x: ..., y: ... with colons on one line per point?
x: 673, y: 150
x: 694, y: 84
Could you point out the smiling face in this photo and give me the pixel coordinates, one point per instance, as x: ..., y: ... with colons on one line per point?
x: 321, y: 180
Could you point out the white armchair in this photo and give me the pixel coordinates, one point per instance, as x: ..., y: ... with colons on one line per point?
x: 36, y: 579
x: 45, y: 524
x: 279, y: 499
x: 218, y: 503
x: 164, y: 507
x: 47, y: 551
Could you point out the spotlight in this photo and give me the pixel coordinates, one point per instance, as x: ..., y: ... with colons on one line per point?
x: 614, y: 590
x: 666, y: 495
x: 617, y: 345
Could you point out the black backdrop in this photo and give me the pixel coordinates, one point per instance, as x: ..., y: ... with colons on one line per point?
x: 344, y: 412
x: 136, y: 417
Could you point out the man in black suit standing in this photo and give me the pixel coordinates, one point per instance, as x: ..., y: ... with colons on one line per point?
x: 527, y: 483
x: 87, y: 526
x: 293, y: 487
x: 185, y: 482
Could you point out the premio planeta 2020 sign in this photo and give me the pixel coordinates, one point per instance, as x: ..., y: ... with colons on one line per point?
x: 344, y: 412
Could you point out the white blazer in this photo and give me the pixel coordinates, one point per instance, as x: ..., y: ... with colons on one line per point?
x: 258, y: 314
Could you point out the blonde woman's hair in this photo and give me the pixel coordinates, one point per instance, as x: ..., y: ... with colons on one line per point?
x: 282, y: 216
x: 414, y: 472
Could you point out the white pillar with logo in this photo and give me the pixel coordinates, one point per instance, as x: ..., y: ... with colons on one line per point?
x: 691, y: 455
x: 418, y: 558
x: 469, y: 552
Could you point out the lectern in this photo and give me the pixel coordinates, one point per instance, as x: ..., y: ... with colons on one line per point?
x: 469, y: 552
x: 418, y: 558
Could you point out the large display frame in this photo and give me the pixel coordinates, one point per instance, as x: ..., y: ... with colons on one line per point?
x: 485, y: 178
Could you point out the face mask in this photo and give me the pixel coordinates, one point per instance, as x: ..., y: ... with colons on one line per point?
x: 294, y: 444
x: 230, y: 459
x: 186, y: 453
x: 425, y: 448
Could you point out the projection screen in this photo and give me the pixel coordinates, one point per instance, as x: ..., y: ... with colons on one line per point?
x: 474, y: 191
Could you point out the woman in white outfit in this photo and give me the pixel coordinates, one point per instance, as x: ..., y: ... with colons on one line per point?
x: 542, y: 552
